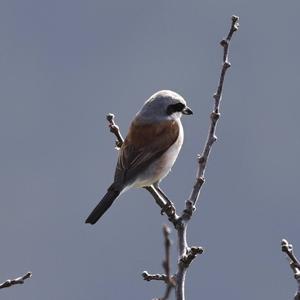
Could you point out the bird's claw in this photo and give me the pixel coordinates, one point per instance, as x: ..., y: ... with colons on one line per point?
x: 168, y: 209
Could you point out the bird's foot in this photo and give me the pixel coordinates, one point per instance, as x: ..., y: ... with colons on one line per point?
x: 168, y: 209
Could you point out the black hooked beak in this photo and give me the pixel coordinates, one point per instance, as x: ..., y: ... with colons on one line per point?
x: 187, y: 111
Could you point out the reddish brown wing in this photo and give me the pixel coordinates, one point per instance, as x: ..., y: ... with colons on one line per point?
x: 144, y: 144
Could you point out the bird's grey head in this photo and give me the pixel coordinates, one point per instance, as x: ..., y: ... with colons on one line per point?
x: 163, y: 105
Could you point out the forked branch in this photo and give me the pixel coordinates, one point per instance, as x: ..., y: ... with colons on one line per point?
x: 169, y: 280
x: 186, y: 254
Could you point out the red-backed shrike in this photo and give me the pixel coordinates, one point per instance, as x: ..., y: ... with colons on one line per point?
x: 150, y: 149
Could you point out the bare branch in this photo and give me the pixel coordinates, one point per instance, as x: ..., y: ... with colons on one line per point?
x: 167, y: 278
x: 149, y: 277
x: 114, y: 128
x: 165, y: 208
x: 187, y: 255
x: 287, y: 248
x: 166, y: 263
x: 170, y: 282
x: 214, y: 117
x: 19, y: 280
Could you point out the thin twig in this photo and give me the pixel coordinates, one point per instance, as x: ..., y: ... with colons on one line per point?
x: 214, y: 117
x: 158, y: 277
x: 167, y: 278
x: 288, y: 248
x: 114, y: 128
x: 19, y: 280
x: 186, y: 255
x: 166, y: 263
x: 169, y: 211
x: 170, y: 282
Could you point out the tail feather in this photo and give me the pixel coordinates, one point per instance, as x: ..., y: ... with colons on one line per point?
x: 103, y: 206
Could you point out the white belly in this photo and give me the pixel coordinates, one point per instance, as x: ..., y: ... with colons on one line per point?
x: 160, y: 168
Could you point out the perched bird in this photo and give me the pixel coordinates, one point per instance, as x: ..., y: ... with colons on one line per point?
x: 150, y: 149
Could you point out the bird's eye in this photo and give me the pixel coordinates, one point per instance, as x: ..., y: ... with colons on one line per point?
x: 172, y: 108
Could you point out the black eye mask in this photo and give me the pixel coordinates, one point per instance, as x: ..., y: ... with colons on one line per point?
x: 172, y: 108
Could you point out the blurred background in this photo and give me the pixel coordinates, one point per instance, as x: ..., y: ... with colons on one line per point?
x: 65, y: 64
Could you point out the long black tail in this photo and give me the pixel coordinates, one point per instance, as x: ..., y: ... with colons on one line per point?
x: 103, y: 206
